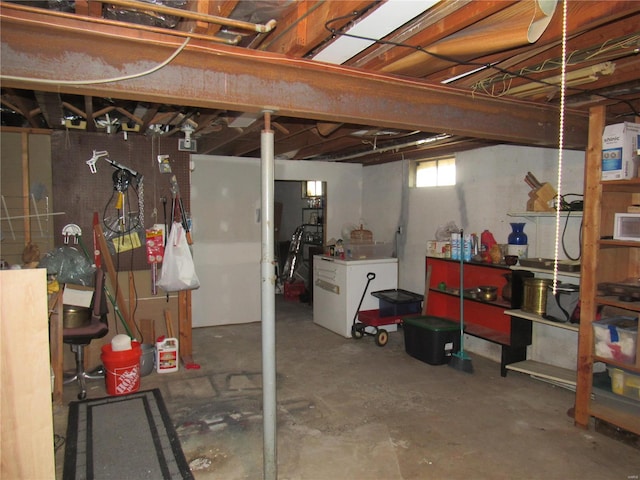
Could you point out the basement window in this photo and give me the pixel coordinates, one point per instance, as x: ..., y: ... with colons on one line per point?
x: 435, y: 172
x: 312, y: 188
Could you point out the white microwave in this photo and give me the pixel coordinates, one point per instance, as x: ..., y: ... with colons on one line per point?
x: 627, y: 226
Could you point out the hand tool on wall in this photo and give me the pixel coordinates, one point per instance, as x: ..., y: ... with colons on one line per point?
x: 166, y: 225
x: 155, y: 253
x: 177, y: 204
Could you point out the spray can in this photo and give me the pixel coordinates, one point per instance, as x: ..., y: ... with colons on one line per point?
x: 466, y: 249
x: 167, y: 355
x: 455, y: 246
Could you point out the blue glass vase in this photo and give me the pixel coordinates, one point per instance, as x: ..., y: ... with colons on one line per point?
x: 517, y: 240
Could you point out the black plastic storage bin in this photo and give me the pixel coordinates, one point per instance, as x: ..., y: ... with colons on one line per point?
x: 431, y: 339
x: 398, y: 302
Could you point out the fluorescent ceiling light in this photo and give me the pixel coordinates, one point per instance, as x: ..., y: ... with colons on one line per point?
x: 388, y: 17
x: 577, y: 77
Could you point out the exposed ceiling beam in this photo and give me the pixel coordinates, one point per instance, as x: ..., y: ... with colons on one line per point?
x: 304, y: 27
x: 20, y: 105
x: 212, y: 76
x: 51, y: 107
x: 451, y: 17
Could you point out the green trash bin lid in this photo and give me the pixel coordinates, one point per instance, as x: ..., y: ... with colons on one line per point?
x: 436, y: 324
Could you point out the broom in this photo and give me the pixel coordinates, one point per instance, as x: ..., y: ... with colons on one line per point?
x: 460, y: 360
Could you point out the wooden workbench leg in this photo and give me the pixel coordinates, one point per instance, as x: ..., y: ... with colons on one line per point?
x: 56, y: 346
x: 184, y: 326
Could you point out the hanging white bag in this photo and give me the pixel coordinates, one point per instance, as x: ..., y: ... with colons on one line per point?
x: 178, y: 271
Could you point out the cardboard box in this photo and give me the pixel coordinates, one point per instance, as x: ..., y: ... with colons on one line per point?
x: 437, y: 249
x: 620, y: 151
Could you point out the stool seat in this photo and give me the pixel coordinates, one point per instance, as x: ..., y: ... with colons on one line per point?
x: 80, y: 337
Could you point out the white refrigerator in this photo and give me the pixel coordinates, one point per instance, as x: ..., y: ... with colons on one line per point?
x: 338, y: 286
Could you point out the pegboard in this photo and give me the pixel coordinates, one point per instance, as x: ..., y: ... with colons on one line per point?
x: 79, y: 193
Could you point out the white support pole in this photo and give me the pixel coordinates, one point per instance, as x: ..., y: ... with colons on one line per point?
x: 268, y: 304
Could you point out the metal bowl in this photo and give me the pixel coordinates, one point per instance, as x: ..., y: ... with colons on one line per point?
x: 511, y: 259
x: 75, y: 317
x: 488, y: 292
x: 472, y: 292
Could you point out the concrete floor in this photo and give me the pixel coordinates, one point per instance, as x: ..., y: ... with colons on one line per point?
x: 348, y: 409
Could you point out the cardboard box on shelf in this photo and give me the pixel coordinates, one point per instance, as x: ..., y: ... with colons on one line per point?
x: 620, y: 151
x: 437, y: 249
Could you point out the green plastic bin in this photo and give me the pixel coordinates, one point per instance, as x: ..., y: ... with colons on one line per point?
x: 431, y: 339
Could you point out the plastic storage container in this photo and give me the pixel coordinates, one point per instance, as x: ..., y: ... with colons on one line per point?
x: 398, y: 302
x: 616, y: 338
x: 362, y: 251
x: 625, y: 383
x: 431, y: 339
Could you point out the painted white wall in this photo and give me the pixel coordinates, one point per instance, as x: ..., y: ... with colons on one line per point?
x: 225, y: 205
x: 490, y: 183
x: 382, y: 196
x: 226, y: 195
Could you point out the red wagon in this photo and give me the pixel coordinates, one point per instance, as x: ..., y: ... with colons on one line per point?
x: 369, y: 323
x: 394, y: 306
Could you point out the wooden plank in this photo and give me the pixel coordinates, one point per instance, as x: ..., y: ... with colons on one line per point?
x: 113, y: 276
x: 25, y: 187
x: 25, y: 377
x: 184, y: 326
x: 56, y: 343
x: 545, y: 371
x: 624, y: 419
x: 148, y: 330
x: 588, y: 284
x: 538, y: 319
x: 168, y: 323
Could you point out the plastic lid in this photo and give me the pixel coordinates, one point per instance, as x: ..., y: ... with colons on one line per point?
x: 397, y: 296
x: 437, y: 324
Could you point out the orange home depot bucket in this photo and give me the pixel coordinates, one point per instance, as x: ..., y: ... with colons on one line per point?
x: 122, y: 369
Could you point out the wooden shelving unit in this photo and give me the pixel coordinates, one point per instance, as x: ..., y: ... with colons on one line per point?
x: 313, y: 223
x: 483, y: 319
x: 604, y: 260
x: 562, y: 376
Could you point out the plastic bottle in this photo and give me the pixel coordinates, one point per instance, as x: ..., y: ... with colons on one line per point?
x: 167, y: 355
